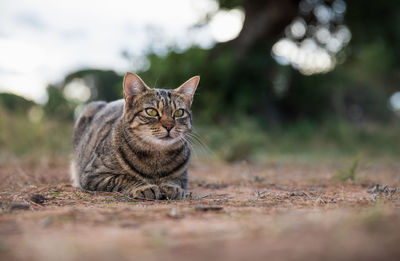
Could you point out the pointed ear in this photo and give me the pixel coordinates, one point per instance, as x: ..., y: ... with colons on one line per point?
x: 188, y: 88
x: 133, y: 86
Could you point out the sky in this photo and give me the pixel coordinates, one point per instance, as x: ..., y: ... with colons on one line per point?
x: 41, y: 41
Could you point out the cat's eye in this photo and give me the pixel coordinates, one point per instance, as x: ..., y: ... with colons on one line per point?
x: 179, y: 113
x: 151, y: 112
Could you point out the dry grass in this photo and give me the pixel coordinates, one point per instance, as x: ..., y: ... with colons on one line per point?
x: 274, y: 211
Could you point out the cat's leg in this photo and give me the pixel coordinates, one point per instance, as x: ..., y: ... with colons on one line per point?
x: 121, y: 183
x: 174, y: 188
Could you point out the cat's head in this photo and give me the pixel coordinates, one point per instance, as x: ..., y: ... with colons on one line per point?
x: 158, y: 116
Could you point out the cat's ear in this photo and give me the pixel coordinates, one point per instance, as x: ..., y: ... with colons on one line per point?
x: 133, y: 86
x: 188, y: 88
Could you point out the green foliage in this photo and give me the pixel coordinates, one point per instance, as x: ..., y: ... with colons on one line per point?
x: 175, y: 68
x: 23, y: 136
x: 225, y: 90
x: 349, y: 173
x: 248, y: 105
x: 105, y: 85
x: 57, y: 105
x: 241, y: 139
x: 170, y: 71
x: 254, y: 85
x: 248, y: 140
x: 228, y: 89
x: 15, y: 103
x: 229, y: 4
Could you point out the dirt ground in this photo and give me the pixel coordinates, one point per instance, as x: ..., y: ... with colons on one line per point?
x: 277, y: 210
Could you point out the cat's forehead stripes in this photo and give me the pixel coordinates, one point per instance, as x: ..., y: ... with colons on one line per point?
x: 165, y: 100
x: 165, y: 97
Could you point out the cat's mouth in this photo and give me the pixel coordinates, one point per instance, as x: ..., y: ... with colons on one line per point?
x: 167, y: 137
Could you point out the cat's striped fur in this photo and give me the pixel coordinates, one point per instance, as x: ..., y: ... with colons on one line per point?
x: 119, y: 146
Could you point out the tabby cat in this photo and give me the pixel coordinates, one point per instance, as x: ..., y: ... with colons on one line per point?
x: 137, y: 145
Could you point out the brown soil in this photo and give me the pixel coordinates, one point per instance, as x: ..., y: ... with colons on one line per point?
x: 270, y: 211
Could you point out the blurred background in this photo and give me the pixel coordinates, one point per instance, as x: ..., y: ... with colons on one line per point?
x: 307, y: 78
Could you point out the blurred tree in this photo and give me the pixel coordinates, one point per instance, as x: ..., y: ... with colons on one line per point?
x: 264, y: 22
x: 104, y: 84
x: 237, y: 76
x: 240, y: 77
x: 57, y: 105
x: 15, y: 103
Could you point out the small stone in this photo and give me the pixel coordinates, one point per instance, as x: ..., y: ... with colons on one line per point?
x: 174, y: 214
x: 19, y: 206
x: 37, y: 198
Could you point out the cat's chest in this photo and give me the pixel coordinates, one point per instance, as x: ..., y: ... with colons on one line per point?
x: 160, y: 159
x: 162, y: 163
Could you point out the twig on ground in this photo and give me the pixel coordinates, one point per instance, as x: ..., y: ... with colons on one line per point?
x: 300, y: 194
x: 320, y: 200
x: 261, y: 194
x: 223, y: 199
x: 385, y: 191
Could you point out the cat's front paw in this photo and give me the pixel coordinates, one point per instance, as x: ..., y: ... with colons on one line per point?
x: 146, y: 192
x: 171, y: 191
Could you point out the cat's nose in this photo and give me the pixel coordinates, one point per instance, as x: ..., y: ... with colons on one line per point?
x: 168, y: 125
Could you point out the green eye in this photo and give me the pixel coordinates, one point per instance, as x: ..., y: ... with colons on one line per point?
x: 151, y: 112
x: 179, y: 113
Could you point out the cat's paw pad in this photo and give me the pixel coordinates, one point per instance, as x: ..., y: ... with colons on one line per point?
x: 172, y: 191
x: 147, y: 192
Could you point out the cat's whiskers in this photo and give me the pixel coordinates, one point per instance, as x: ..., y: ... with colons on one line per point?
x: 185, y: 141
x: 195, y: 138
